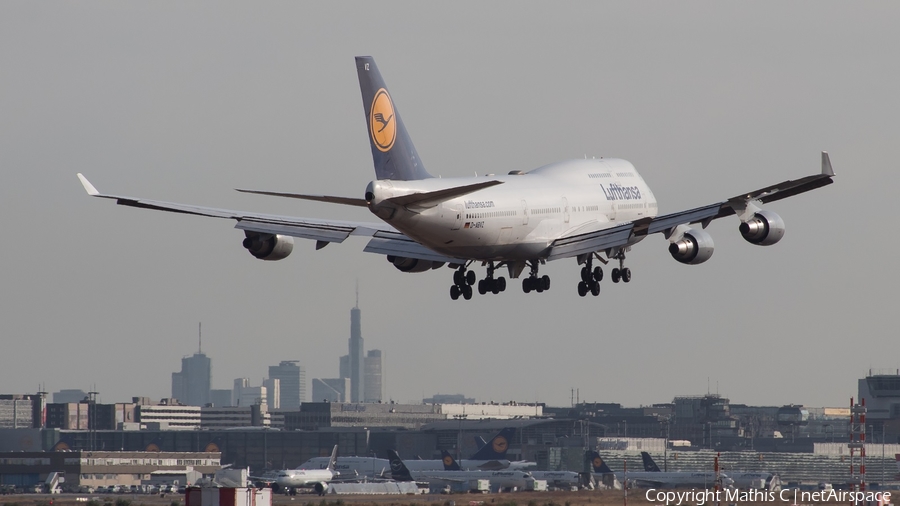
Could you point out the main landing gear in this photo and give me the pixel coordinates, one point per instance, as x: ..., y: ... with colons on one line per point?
x: 534, y: 282
x: 489, y: 284
x: 462, y: 283
x: 590, y: 279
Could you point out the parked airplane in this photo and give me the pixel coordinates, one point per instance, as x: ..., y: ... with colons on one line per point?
x: 556, y: 479
x: 503, y: 480
x: 490, y: 457
x: 657, y: 479
x: 573, y: 209
x: 352, y: 467
x: 741, y: 479
x: 291, y: 479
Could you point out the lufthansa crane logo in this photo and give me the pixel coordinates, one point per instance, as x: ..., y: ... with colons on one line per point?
x: 500, y: 444
x: 448, y: 460
x: 212, y: 448
x: 382, y: 121
x: 152, y: 447
x: 598, y: 462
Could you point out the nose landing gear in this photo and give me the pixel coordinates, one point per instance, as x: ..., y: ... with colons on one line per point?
x: 621, y: 272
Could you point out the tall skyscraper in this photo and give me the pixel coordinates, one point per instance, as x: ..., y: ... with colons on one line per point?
x: 357, y: 358
x: 374, y: 392
x: 292, y: 383
x: 191, y: 386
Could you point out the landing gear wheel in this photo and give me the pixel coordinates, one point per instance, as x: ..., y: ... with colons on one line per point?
x: 582, y: 289
x: 615, y: 275
x: 545, y: 282
x: 470, y: 277
x: 501, y: 283
x: 454, y: 292
x: 467, y: 291
x: 626, y: 275
x: 459, y: 278
x: 598, y: 274
x: 586, y: 275
x: 482, y: 286
x: 526, y: 285
x: 595, y: 288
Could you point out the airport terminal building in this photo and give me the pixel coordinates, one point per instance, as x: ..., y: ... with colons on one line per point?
x: 102, y: 468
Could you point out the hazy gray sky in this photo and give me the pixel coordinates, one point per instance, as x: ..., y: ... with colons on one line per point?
x: 186, y: 101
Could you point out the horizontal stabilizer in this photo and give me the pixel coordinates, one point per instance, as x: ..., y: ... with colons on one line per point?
x: 433, y: 198
x: 347, y: 201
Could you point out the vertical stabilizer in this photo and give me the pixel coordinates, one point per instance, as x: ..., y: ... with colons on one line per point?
x: 399, y: 471
x: 393, y: 152
x: 497, y: 447
x: 649, y: 464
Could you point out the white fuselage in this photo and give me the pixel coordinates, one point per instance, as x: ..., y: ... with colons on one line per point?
x: 363, y: 467
x: 499, y: 479
x: 558, y: 478
x: 520, y: 218
x: 299, y: 478
x: 669, y: 479
x: 371, y: 467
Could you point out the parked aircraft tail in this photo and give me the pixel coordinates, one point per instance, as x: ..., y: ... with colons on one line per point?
x: 450, y: 463
x: 399, y: 471
x: 649, y: 465
x: 497, y: 447
x: 598, y: 465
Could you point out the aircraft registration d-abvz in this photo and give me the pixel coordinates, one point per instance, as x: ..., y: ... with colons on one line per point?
x: 582, y: 209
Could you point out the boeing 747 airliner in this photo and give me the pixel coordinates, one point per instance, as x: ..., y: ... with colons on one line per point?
x: 588, y: 210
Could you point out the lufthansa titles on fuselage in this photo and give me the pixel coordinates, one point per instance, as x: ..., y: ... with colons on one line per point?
x: 619, y: 192
x: 479, y: 204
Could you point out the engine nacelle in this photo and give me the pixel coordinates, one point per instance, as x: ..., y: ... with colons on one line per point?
x: 764, y: 228
x: 268, y: 247
x: 404, y: 264
x: 694, y: 247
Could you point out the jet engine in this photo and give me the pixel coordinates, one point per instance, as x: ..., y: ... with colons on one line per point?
x: 404, y: 264
x: 267, y: 246
x: 694, y: 247
x: 764, y: 228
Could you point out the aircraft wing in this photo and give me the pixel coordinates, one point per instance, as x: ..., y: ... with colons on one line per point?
x: 621, y: 235
x: 385, y: 239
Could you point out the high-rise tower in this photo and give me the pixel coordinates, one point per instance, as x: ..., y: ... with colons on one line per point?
x: 292, y: 383
x: 357, y: 357
x: 191, y: 386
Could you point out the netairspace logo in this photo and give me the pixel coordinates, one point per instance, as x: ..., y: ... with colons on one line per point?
x: 694, y: 496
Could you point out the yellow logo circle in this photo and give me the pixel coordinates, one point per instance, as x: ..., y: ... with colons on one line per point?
x: 382, y: 121
x: 448, y: 460
x: 212, y: 448
x: 152, y: 447
x: 598, y: 462
x: 500, y: 444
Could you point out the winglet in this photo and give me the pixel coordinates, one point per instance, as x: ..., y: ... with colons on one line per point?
x: 88, y: 187
x: 826, y: 165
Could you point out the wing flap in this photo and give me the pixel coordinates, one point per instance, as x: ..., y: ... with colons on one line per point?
x: 591, y: 242
x: 397, y: 244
